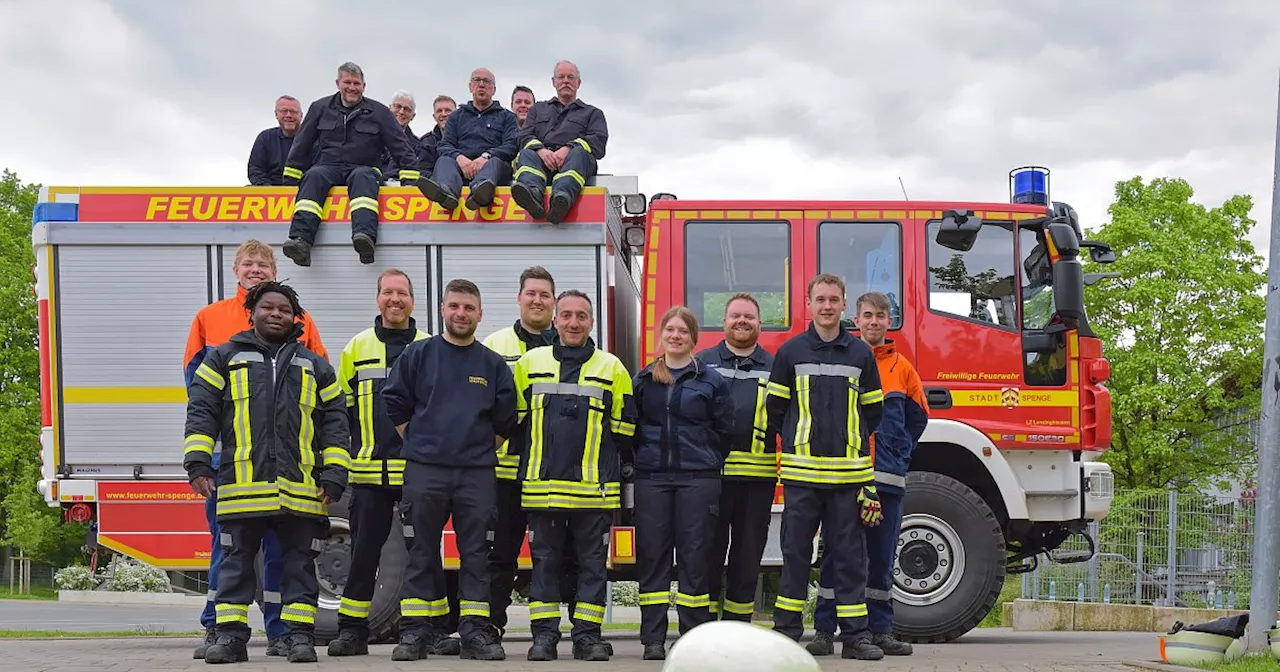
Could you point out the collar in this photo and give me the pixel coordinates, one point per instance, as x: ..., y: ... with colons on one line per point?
x: 494, y: 106
x: 581, y: 353
x: 577, y: 102
x: 725, y: 354
x: 886, y: 350
x: 532, y: 340
x: 388, y: 335
x: 250, y: 337
x: 840, y: 341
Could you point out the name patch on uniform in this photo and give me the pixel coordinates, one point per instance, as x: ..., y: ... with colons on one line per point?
x: 478, y: 380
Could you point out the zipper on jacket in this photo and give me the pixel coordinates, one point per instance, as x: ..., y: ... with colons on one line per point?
x: 668, y: 456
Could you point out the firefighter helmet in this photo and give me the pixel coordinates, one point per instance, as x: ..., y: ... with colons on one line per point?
x: 734, y: 646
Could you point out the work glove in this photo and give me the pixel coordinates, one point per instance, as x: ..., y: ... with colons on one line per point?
x: 871, y: 513
x: 290, y: 181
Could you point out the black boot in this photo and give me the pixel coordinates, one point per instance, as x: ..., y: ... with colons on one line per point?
x: 861, y: 649
x: 364, y: 246
x: 298, y: 250
x: 349, y: 643
x: 529, y: 199
x: 656, y: 651
x: 226, y: 650
x: 823, y: 644
x: 482, y: 646
x: 440, y: 644
x: 209, y: 638
x: 481, y: 195
x: 592, y: 648
x: 278, y: 647
x: 544, y: 647
x: 436, y: 194
x: 560, y: 206
x: 302, y: 648
x: 891, y: 645
x: 411, y: 646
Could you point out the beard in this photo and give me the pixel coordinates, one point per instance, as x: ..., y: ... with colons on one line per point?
x: 460, y: 332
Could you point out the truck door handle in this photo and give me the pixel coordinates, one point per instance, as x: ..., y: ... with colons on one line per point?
x: 938, y: 397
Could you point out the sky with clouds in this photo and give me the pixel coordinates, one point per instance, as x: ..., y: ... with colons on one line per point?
x: 716, y: 99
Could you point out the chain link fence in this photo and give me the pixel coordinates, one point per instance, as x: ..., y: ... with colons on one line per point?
x: 1162, y: 548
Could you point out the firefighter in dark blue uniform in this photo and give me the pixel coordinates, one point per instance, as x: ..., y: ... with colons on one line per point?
x: 750, y: 475
x: 825, y: 400
x: 279, y: 411
x: 271, y: 147
x: 577, y: 415
x: 561, y: 140
x: 341, y: 142
x: 405, y: 109
x: 478, y: 145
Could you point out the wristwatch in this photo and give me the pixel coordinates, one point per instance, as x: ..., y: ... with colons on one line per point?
x: 484, y: 155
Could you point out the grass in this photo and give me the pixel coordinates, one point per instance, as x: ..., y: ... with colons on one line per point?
x: 37, y: 593
x: 1011, y: 591
x: 1255, y: 663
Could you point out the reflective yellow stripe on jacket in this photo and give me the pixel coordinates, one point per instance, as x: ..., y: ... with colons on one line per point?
x: 363, y: 366
x: 762, y: 461
x: 507, y: 343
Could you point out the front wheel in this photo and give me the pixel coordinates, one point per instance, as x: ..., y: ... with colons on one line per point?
x: 950, y: 561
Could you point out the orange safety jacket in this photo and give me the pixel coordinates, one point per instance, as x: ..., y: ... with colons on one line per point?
x: 217, y: 322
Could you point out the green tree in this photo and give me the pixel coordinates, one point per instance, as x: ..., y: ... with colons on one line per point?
x: 1183, y: 331
x: 27, y: 523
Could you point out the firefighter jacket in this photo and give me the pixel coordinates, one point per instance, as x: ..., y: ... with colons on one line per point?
x: 576, y: 415
x: 753, y: 452
x: 471, y: 132
x: 266, y: 158
x: 429, y: 150
x: 905, y: 415
x: 362, y: 371
x: 283, y: 423
x: 217, y: 322
x: 685, y: 428
x: 512, y: 343
x: 551, y: 125
x: 387, y: 163
x: 332, y: 134
x: 824, y: 400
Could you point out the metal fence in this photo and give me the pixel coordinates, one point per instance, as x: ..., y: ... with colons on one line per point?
x: 1160, y: 547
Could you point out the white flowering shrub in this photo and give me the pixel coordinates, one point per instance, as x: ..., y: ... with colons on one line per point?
x: 137, y: 577
x: 75, y: 577
x: 626, y: 594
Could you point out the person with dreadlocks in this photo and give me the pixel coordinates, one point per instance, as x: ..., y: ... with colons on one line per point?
x: 282, y: 417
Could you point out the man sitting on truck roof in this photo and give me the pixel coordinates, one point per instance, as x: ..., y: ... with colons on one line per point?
x: 563, y: 135
x: 215, y: 324
x: 340, y: 143
x: 405, y: 110
x: 479, y: 143
x: 271, y: 147
x: 429, y: 143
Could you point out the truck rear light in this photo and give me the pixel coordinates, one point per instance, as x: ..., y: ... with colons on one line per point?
x: 1099, y: 370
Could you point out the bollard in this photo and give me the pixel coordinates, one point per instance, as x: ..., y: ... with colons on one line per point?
x: 1212, y: 588
x: 1231, y: 599
x: 1080, y: 592
x: 1053, y: 590
x: 1106, y: 593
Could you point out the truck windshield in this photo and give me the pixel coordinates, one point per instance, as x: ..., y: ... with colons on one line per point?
x: 1037, y: 280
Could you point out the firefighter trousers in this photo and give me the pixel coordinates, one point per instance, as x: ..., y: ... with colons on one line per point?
x: 448, y: 174
x: 301, y: 539
x: 432, y: 494
x: 578, y: 167
x: 679, y: 514
x: 836, y: 510
x: 362, y: 193
x: 272, y: 567
x: 372, y: 509
x: 745, y: 510
x: 509, y: 525
x: 882, y: 543
x: 552, y: 534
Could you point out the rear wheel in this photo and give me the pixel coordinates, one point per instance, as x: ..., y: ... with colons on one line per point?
x: 333, y: 564
x: 950, y: 561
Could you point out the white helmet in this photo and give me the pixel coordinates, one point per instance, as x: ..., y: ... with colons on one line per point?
x: 734, y: 646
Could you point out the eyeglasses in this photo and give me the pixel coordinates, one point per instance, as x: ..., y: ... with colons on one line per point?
x: 401, y: 108
x: 481, y: 80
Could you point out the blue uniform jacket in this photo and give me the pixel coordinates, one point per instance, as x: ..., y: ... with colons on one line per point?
x: 335, y: 135
x: 266, y: 159
x: 685, y: 428
x: 471, y: 132
x: 552, y: 125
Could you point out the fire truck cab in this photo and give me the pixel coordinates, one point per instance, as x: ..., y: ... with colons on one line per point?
x: 987, y: 297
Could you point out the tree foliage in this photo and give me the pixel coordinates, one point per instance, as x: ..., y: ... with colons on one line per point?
x: 27, y: 523
x: 1183, y: 327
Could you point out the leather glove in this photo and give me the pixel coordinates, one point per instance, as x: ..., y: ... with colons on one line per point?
x: 870, y: 501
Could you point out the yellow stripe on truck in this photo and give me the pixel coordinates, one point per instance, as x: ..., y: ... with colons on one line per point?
x: 124, y: 395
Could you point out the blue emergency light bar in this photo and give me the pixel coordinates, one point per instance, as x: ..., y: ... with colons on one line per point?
x: 1029, y: 184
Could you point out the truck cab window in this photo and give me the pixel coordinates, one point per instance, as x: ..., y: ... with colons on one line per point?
x: 979, y: 284
x: 868, y: 257
x: 1039, y: 368
x: 725, y: 258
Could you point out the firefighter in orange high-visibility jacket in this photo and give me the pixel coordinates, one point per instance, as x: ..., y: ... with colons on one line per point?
x: 280, y: 412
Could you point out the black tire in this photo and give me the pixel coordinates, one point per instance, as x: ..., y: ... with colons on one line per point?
x: 945, y: 525
x: 335, y: 560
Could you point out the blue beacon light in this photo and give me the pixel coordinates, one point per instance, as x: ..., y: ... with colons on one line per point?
x: 1029, y: 184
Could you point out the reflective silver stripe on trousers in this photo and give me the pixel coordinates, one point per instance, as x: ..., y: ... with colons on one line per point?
x: 891, y: 479
x: 837, y: 370
x: 370, y: 374
x: 826, y: 593
x: 877, y: 594
x: 273, y: 596
x: 740, y: 374
x: 568, y: 388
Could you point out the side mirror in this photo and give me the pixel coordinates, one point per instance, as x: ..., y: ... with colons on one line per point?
x: 959, y: 229
x: 1099, y: 252
x: 634, y: 236
x: 1068, y: 273
x: 1095, y: 278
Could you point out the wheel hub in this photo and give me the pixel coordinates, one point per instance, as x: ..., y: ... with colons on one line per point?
x: 929, y: 562
x: 333, y: 564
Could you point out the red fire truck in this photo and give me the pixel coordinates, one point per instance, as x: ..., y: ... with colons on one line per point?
x: 987, y: 301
